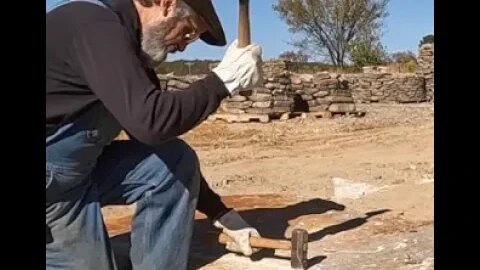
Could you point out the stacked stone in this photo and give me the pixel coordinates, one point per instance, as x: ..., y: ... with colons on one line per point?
x: 277, y: 81
x: 177, y: 83
x: 359, y: 87
x: 273, y: 98
x: 262, y: 101
x: 383, y: 87
x: 409, y: 88
x: 386, y: 87
x: 367, y: 87
x: 321, y: 92
x: 236, y: 104
x: 340, y: 98
x: 283, y: 91
x: 425, y: 68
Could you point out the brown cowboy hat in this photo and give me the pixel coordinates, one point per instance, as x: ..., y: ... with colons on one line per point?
x: 204, y: 8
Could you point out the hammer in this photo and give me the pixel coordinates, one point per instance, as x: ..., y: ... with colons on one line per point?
x: 244, y: 30
x: 243, y: 24
x: 298, y: 246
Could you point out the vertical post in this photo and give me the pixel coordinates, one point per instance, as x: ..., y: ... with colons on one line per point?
x: 189, y: 64
x: 243, y: 24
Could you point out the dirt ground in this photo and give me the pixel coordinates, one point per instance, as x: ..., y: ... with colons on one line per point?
x: 361, y: 187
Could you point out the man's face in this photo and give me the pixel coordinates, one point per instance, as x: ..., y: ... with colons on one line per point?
x: 169, y: 34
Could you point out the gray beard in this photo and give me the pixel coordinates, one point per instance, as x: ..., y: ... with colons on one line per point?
x: 153, y: 44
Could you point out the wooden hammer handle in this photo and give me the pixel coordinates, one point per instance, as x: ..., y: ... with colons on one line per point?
x: 244, y: 24
x: 260, y: 242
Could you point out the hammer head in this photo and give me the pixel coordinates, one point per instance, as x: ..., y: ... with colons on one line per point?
x: 299, y: 249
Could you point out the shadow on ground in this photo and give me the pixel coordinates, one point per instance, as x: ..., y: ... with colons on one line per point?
x: 270, y: 222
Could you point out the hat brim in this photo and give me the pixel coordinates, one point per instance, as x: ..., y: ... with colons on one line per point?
x: 214, y: 35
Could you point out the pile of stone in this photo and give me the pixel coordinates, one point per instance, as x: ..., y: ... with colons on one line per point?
x: 178, y: 83
x: 283, y: 91
x: 370, y: 87
x: 409, y: 88
x: 239, y: 104
x: 425, y: 68
x: 274, y: 98
x: 386, y: 87
x: 322, y: 91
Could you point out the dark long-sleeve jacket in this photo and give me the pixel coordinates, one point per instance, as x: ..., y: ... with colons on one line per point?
x: 93, y: 55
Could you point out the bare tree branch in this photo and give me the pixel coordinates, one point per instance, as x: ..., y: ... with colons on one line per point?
x: 332, y: 26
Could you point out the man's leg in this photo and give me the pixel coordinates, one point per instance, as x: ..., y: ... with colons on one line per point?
x: 164, y: 182
x: 78, y: 239
x: 76, y: 235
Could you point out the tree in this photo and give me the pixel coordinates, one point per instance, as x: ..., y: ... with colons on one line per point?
x: 294, y: 56
x: 426, y: 39
x: 368, y: 53
x: 405, y: 61
x: 403, y: 57
x: 330, y: 27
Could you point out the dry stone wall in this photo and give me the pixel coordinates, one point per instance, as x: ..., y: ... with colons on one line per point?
x: 425, y: 68
x: 386, y: 87
x: 274, y: 97
x: 178, y: 83
x: 283, y: 91
x: 321, y: 92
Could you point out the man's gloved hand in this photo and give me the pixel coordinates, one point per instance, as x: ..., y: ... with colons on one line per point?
x: 236, y: 228
x: 241, y: 68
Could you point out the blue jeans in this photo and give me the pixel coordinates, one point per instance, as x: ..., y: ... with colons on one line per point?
x: 86, y: 169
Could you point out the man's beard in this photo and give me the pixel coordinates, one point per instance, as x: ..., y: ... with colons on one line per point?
x: 153, y: 43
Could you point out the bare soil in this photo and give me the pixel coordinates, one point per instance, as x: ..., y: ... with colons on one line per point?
x: 362, y: 187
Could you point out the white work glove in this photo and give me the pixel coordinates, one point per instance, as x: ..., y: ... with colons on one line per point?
x: 236, y: 228
x: 241, y: 68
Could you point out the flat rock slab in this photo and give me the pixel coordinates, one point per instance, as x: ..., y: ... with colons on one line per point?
x: 349, y: 189
x: 232, y: 261
x: 274, y: 215
x: 339, y: 238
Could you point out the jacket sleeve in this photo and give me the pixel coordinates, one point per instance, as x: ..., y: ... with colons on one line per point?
x: 113, y: 70
x: 209, y: 202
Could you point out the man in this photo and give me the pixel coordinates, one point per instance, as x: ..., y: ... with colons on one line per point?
x: 99, y: 81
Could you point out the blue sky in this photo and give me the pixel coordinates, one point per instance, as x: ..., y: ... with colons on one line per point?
x: 408, y: 22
